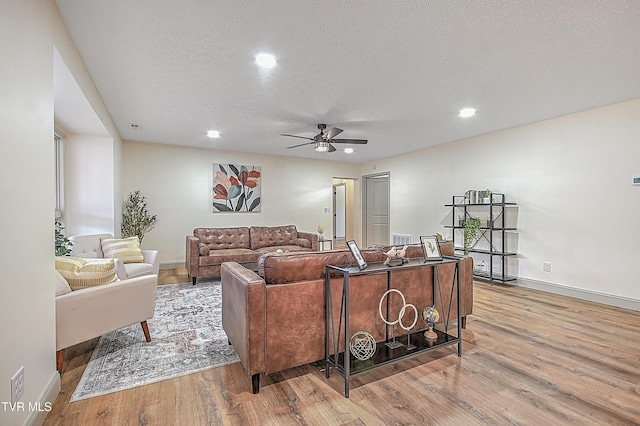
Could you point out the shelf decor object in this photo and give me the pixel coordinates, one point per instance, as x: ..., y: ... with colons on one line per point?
x: 430, y: 315
x: 430, y: 248
x: 357, y: 255
x: 345, y: 362
x: 394, y: 343
x: 486, y: 238
x: 362, y: 345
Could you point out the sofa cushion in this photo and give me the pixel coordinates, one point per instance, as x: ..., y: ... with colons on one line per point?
x: 240, y: 255
x: 283, y: 268
x: 82, y: 273
x: 125, y: 249
x: 415, y: 250
x: 269, y: 236
x: 62, y: 286
x: 223, y: 238
x: 285, y: 249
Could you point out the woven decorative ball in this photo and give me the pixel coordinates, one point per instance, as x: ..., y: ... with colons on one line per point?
x: 362, y: 345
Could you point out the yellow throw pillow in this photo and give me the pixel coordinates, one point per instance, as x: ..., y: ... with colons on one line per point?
x: 126, y: 249
x: 82, y: 273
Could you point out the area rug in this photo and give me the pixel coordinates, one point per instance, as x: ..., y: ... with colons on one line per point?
x: 186, y: 337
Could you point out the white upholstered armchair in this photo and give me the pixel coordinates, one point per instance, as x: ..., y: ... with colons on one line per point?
x: 90, y: 246
x: 84, y: 314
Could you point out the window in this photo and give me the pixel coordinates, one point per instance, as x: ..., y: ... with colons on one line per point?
x: 58, y: 139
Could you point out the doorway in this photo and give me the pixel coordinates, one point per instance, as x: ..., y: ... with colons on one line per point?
x: 375, y: 209
x: 339, y: 214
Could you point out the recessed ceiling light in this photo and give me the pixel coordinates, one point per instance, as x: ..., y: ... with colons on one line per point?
x: 348, y: 150
x: 213, y: 134
x: 467, y: 112
x: 266, y: 60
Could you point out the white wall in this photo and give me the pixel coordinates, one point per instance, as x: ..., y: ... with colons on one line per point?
x: 27, y: 209
x: 29, y: 29
x: 86, y: 212
x: 571, y: 179
x: 89, y: 176
x: 178, y: 182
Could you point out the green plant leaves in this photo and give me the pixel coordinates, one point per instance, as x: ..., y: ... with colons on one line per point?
x: 136, y: 219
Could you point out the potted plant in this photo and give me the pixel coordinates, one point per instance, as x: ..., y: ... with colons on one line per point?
x: 471, y: 230
x: 320, y: 232
x: 136, y: 219
x: 63, y: 244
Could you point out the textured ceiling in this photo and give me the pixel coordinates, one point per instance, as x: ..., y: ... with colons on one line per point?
x: 395, y: 73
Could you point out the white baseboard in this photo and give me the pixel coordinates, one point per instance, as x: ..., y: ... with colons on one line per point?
x: 172, y: 265
x: 45, y: 400
x: 578, y: 293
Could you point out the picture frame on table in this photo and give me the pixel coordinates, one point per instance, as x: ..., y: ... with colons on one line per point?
x: 357, y: 255
x: 430, y: 248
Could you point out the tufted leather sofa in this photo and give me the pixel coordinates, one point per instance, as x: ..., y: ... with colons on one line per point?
x: 275, y: 318
x: 208, y: 248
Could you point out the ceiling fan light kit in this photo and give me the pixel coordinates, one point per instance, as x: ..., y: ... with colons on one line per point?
x: 321, y: 146
x: 323, y: 142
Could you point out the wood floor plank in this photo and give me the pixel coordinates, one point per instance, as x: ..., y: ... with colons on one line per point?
x: 529, y: 358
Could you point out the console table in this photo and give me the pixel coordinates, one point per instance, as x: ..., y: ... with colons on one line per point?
x: 347, y: 365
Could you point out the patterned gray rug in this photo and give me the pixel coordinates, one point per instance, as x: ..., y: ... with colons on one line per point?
x: 186, y: 337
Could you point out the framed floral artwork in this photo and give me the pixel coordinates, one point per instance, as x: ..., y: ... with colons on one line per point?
x: 236, y: 188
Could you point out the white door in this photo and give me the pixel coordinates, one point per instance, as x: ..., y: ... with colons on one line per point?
x: 376, y: 210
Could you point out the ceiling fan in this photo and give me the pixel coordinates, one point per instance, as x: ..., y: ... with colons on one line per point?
x: 323, y: 142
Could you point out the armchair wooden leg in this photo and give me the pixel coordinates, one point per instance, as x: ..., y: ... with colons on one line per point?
x: 193, y: 279
x: 145, y: 328
x: 59, y: 360
x: 464, y: 322
x: 255, y: 383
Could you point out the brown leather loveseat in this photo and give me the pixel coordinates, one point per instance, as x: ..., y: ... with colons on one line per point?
x: 208, y: 248
x: 275, y: 319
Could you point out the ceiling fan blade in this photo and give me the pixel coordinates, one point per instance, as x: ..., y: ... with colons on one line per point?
x: 352, y: 141
x: 332, y: 133
x: 302, y: 144
x: 294, y: 136
x: 331, y: 148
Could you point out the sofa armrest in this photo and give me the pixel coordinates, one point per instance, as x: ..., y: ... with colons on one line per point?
x: 121, y: 271
x: 243, y: 314
x: 85, y: 314
x: 152, y: 257
x: 311, y: 237
x: 192, y: 255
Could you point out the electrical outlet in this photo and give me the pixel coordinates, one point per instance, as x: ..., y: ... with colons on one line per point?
x: 17, y: 385
x: 546, y: 266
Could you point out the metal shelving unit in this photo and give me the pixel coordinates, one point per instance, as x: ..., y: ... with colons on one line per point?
x: 493, y: 232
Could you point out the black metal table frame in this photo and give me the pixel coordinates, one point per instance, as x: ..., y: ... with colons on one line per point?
x: 444, y: 339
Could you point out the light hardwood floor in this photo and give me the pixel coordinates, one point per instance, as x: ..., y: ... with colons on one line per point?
x: 529, y: 358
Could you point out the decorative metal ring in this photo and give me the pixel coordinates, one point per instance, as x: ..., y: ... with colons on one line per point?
x: 401, y: 315
x: 402, y: 311
x: 404, y: 302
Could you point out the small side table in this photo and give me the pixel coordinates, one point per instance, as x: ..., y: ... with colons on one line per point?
x: 322, y: 245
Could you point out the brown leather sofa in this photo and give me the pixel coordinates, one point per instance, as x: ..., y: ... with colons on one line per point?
x: 275, y: 318
x: 208, y: 248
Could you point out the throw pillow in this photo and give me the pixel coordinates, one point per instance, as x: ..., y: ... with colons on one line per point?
x: 62, y: 286
x: 82, y: 273
x: 125, y: 249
